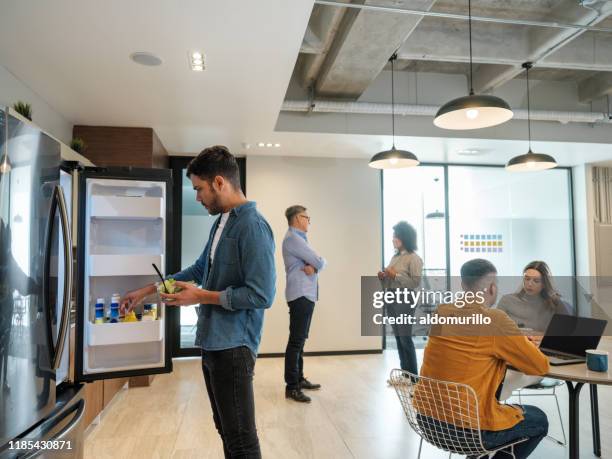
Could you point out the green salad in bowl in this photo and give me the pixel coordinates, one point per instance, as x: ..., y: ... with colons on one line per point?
x: 172, y: 287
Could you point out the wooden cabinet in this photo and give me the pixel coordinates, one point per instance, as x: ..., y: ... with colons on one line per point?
x: 122, y: 146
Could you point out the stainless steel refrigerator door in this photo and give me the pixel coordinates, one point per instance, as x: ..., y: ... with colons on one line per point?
x: 60, y: 436
x: 29, y: 174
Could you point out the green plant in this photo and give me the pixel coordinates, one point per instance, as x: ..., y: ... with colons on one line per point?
x: 23, y: 109
x: 78, y: 145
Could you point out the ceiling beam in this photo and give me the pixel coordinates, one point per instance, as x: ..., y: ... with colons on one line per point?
x: 324, y: 23
x: 365, y: 41
x: 595, y: 87
x: 311, y: 43
x: 545, y: 42
x: 442, y: 40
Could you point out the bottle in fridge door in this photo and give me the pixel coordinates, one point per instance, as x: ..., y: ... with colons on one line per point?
x: 124, y: 227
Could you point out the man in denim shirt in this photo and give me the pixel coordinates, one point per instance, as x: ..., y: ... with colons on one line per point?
x: 237, y: 274
x: 302, y: 266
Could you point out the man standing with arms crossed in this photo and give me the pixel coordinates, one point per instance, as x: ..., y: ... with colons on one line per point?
x: 302, y: 266
x: 237, y: 275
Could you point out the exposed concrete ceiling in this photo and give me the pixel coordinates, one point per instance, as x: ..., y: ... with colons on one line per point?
x: 74, y: 55
x: 362, y: 41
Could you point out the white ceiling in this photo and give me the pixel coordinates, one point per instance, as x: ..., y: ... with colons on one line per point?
x: 75, y: 55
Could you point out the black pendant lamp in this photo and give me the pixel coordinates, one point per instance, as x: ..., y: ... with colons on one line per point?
x: 473, y: 111
x: 394, y: 158
x: 530, y: 161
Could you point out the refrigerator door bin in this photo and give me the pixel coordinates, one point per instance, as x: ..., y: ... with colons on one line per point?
x: 125, y: 332
x: 126, y: 207
x: 122, y: 265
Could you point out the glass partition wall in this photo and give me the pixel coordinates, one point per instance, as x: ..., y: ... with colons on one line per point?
x: 461, y: 212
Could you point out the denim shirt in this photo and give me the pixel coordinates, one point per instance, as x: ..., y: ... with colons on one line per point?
x: 297, y: 253
x: 243, y: 271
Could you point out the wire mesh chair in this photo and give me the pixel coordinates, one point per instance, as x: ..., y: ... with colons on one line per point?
x: 444, y: 414
x: 543, y: 385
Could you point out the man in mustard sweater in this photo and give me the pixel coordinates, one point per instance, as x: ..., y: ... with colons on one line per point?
x: 477, y: 355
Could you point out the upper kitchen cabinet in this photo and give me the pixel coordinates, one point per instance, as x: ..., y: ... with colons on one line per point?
x: 109, y: 146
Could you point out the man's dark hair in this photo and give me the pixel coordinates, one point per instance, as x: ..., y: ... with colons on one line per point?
x: 406, y: 233
x: 213, y: 161
x: 293, y: 211
x: 474, y: 270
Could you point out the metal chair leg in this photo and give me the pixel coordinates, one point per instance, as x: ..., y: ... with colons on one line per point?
x: 560, y: 419
x: 420, y: 446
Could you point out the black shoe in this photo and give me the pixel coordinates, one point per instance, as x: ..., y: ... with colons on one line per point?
x: 297, y: 395
x: 305, y: 384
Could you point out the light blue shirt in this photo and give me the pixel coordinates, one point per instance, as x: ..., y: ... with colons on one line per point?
x: 297, y: 253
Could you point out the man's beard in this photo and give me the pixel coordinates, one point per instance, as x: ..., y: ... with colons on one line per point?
x: 214, y: 208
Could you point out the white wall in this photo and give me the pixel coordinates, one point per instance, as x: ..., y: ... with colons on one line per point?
x: 43, y: 115
x: 343, y: 199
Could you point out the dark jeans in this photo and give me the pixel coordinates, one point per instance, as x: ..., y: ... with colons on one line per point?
x: 403, y: 338
x: 300, y: 316
x: 534, y: 427
x: 229, y: 382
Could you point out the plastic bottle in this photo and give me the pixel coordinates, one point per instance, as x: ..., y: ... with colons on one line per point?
x: 114, y: 308
x: 154, y: 311
x: 99, y: 311
x: 147, y: 313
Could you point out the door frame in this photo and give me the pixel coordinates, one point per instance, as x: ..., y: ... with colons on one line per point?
x: 177, y: 165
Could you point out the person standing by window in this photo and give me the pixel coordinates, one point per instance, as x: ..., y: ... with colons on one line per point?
x: 404, y: 271
x: 302, y: 266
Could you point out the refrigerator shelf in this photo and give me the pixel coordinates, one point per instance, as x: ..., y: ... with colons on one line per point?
x: 122, y: 265
x: 125, y: 332
x: 131, y: 207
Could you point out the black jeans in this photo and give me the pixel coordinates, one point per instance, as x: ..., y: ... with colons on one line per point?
x: 300, y: 315
x: 403, y: 338
x: 229, y: 382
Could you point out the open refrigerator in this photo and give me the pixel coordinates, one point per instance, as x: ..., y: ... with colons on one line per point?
x: 124, y: 228
x: 118, y: 221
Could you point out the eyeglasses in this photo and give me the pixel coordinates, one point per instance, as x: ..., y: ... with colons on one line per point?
x: 306, y: 217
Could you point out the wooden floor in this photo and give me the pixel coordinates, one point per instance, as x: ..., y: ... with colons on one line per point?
x: 354, y: 415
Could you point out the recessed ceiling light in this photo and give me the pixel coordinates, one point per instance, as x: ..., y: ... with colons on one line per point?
x: 261, y: 144
x: 145, y: 58
x: 197, y: 61
x: 277, y: 145
x: 268, y: 145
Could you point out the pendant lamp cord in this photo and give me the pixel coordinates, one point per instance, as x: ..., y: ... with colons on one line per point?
x: 392, y: 59
x: 528, y: 107
x: 470, y: 33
